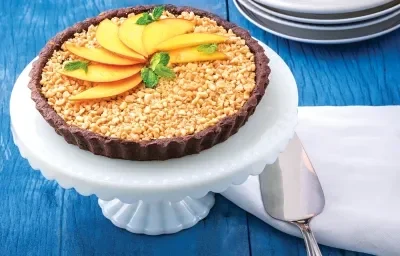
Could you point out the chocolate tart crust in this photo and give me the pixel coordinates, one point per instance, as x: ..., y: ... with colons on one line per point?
x: 159, y: 149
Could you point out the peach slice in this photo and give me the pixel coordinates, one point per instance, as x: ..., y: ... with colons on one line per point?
x: 110, y: 89
x: 161, y: 30
x: 103, y: 73
x: 100, y: 55
x: 107, y: 36
x: 188, y: 40
x: 191, y: 54
x: 130, y: 34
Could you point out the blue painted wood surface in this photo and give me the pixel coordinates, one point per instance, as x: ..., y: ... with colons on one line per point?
x: 37, y: 217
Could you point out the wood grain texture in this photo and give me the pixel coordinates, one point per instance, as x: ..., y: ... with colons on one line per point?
x: 363, y: 73
x: 37, y: 217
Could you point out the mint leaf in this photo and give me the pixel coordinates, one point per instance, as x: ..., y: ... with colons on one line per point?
x: 145, y: 19
x: 157, y: 12
x: 207, y: 48
x: 149, y: 78
x: 163, y: 71
x: 164, y: 58
x: 159, y: 58
x: 75, y: 65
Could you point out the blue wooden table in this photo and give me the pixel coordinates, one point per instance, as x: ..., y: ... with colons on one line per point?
x: 37, y: 217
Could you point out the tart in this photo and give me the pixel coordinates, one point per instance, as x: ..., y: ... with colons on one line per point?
x: 149, y: 82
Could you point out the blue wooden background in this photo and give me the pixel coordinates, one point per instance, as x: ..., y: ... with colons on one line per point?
x: 37, y: 217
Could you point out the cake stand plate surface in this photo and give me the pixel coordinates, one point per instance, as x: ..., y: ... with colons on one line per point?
x: 160, y: 197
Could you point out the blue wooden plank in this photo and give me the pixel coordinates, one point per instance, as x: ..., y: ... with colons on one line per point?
x: 363, y: 73
x: 85, y: 232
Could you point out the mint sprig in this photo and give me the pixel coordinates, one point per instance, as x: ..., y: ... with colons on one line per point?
x: 148, y: 18
x: 164, y: 71
x: 149, y: 78
x: 75, y: 65
x: 159, y: 58
x: 207, y: 48
x: 145, y: 19
x: 157, y: 12
x: 157, y: 69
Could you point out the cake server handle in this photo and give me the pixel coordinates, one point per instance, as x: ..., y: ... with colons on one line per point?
x: 309, y: 239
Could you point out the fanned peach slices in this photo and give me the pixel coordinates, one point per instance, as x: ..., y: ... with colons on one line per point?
x: 103, y: 73
x: 124, y: 50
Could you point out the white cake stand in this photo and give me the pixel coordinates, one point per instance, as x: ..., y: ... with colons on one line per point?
x: 160, y: 197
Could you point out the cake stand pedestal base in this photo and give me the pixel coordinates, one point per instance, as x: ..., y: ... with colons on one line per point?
x: 155, y: 218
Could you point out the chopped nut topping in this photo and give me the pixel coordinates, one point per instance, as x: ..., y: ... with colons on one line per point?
x: 201, y: 94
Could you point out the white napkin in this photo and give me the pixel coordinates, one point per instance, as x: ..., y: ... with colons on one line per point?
x: 356, y: 154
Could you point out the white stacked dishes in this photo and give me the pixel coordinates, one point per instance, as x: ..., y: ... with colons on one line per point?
x: 329, y: 22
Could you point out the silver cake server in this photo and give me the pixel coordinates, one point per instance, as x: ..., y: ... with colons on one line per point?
x: 291, y: 191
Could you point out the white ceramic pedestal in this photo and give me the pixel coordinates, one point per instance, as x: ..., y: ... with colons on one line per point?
x: 160, y: 197
x: 156, y: 218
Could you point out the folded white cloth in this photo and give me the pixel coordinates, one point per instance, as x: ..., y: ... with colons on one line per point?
x: 356, y: 154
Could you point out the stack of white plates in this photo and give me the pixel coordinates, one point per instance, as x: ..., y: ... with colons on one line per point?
x: 323, y: 21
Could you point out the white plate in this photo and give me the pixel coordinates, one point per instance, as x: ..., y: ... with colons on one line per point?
x: 318, y: 34
x: 323, y: 6
x: 392, y: 18
x: 330, y: 18
x: 257, y: 143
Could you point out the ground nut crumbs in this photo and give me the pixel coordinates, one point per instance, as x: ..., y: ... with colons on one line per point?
x: 201, y: 94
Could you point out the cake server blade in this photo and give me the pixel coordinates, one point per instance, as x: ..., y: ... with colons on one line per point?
x: 291, y: 191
